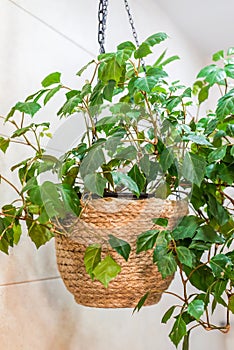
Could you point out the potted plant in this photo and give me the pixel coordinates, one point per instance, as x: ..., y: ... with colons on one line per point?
x: 146, y: 151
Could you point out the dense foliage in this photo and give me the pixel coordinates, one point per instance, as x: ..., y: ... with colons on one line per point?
x: 142, y: 136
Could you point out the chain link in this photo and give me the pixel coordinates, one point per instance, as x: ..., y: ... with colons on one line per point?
x: 102, y: 15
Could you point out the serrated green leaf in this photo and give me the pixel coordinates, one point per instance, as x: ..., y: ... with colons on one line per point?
x: 217, y: 154
x: 30, y: 108
x: 186, y: 227
x: 146, y: 83
x: 168, y: 314
x: 39, y: 234
x: 4, y: 144
x: 136, y: 175
x: 110, y: 70
x: 206, y: 233
x: 194, y: 168
x: 51, y: 79
x: 50, y: 198
x: 126, y: 181
x: 222, y: 266
x: 92, y: 258
x: 95, y: 183
x: 167, y: 265
x: 146, y: 240
x: 201, y: 278
x: 178, y: 331
x: 142, y: 51
x: 108, y: 90
x: 225, y: 105
x: 196, y: 308
x: 122, y: 247
x: 106, y: 270
x: 70, y: 198
x: 21, y: 131
x: 92, y: 161
x: 185, y: 256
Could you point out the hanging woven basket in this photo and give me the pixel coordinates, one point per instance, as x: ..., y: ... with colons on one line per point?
x: 125, y: 219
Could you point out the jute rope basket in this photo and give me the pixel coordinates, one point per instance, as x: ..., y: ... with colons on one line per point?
x: 125, y: 219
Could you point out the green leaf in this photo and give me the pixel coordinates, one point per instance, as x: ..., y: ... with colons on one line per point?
x: 194, y: 168
x: 196, y: 308
x: 231, y: 303
x: 39, y: 234
x: 126, y: 181
x: 51, y: 93
x: 168, y: 314
x: 218, y: 55
x: 51, y: 199
x: 4, y: 144
x: 95, y: 183
x: 51, y: 79
x: 166, y: 159
x: 204, y: 72
x: 141, y: 302
x: 225, y: 105
x: 156, y: 38
x: 84, y: 68
x: 169, y: 60
x: 198, y: 139
x: 22, y: 131
x: 122, y: 247
x: 230, y: 51
x: 217, y: 211
x: 142, y: 51
x: 70, y: 198
x: 17, y: 232
x: 178, y: 331
x: 136, y: 175
x: 146, y: 240
x: 92, y: 258
x: 110, y: 70
x: 222, y: 266
x: 92, y: 161
x: 127, y: 45
x: 217, y: 154
x: 108, y: 90
x: 229, y: 69
x: 30, y: 108
x: 160, y: 222
x: 167, y: 265
x: 106, y: 270
x: 128, y: 153
x: 206, y: 233
x: 145, y: 83
x: 201, y: 278
x: 187, y: 227
x: 185, y: 256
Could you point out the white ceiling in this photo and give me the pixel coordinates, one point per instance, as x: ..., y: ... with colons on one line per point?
x: 209, y: 24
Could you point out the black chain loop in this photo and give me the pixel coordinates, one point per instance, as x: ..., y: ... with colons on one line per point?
x: 102, y: 15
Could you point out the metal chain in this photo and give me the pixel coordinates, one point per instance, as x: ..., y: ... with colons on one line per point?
x: 102, y: 15
x: 134, y: 30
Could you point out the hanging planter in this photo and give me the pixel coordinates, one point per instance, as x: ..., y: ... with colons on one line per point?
x: 118, y: 207
x: 101, y: 221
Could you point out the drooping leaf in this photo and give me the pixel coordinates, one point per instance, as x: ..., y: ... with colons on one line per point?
x: 51, y: 79
x: 206, y: 233
x: 92, y: 258
x: 168, y: 314
x: 51, y: 93
x: 106, y: 270
x: 92, y: 161
x: 136, y: 175
x: 196, y: 308
x: 108, y: 90
x: 185, y: 256
x: 194, y: 167
x: 225, y: 105
x: 4, y: 144
x: 167, y: 265
x: 178, y: 331
x: 146, y: 240
x: 95, y: 183
x: 70, y: 198
x: 39, y: 234
x: 201, y: 278
x: 50, y: 198
x: 122, y: 247
x: 141, y: 302
x: 84, y: 68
